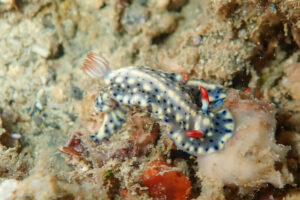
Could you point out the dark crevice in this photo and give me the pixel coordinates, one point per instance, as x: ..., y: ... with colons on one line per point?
x: 241, y: 80
x: 160, y: 39
x: 196, y: 187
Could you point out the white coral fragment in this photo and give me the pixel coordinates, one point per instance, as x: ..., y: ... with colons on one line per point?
x: 249, y: 159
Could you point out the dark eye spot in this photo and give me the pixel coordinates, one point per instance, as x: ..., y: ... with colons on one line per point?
x: 171, y: 105
x: 139, y: 102
x: 216, y: 147
x: 217, y: 123
x: 151, y: 82
x: 224, y: 112
x: 126, y: 77
x: 115, y: 94
x: 165, y: 101
x: 143, y: 91
x: 209, y: 90
x: 222, y: 142
x: 166, y: 120
x: 156, y: 90
x: 128, y: 86
x: 121, y: 101
x: 138, y: 84
x: 171, y: 132
x: 211, y: 141
x: 111, y: 121
x: 217, y: 96
x: 179, y: 108
x: 206, y: 149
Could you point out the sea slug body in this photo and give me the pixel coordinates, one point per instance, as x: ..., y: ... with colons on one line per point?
x: 192, y: 110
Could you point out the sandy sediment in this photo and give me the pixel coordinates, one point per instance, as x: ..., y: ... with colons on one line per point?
x: 46, y: 102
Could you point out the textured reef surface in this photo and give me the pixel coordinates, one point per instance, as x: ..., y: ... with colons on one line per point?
x: 203, y: 57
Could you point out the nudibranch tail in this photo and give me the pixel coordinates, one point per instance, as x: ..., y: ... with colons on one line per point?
x: 95, y: 66
x: 216, y: 129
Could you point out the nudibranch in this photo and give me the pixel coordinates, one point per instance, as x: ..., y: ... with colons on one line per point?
x: 192, y: 109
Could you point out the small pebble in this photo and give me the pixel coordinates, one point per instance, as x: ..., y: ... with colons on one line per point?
x: 15, y: 136
x: 37, y: 120
x: 43, y: 100
x: 69, y: 28
x: 58, y: 94
x: 76, y: 92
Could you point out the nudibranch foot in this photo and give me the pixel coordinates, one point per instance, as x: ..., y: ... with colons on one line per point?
x: 103, y: 103
x: 112, y: 122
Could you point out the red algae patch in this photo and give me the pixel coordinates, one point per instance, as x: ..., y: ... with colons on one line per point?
x: 165, y: 182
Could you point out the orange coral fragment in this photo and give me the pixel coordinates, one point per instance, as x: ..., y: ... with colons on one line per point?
x: 165, y: 182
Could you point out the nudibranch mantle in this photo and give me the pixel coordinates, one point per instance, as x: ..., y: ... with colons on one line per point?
x: 194, y: 129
